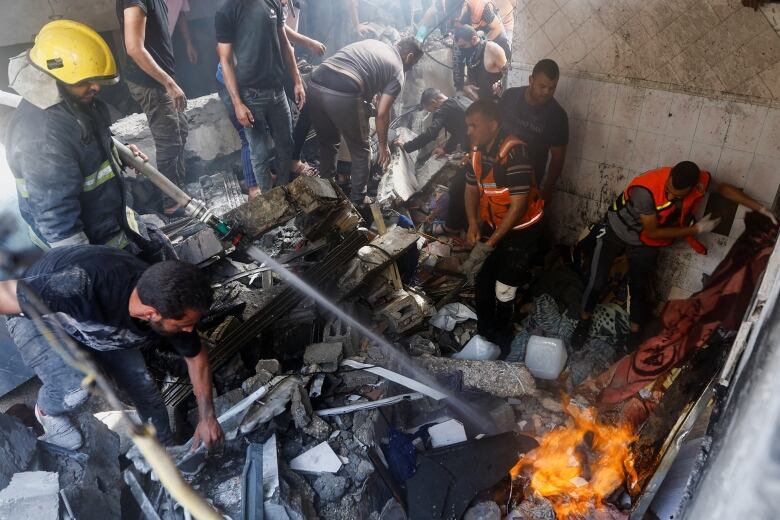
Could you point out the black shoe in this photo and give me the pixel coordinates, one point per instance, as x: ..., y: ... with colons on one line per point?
x: 580, y: 334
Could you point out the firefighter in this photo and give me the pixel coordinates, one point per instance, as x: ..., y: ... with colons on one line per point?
x: 504, y: 208
x: 59, y: 146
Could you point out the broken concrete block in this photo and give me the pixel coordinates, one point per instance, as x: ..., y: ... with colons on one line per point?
x: 17, y: 445
x: 198, y: 247
x: 263, y: 213
x: 31, y: 495
x: 330, y: 487
x: 499, y: 378
x: 404, y: 310
x: 325, y: 355
x: 319, y: 459
x: 534, y: 508
x: 312, y: 193
x: 269, y: 365
x: 256, y: 381
x: 446, y: 433
x: 273, y: 404
x: 483, y: 511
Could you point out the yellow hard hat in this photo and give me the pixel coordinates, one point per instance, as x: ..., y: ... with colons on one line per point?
x: 72, y: 52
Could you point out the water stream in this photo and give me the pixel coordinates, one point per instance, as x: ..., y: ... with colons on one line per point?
x: 407, y: 366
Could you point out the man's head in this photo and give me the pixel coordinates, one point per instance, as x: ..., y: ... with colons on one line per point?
x: 543, y: 82
x: 482, y: 122
x: 431, y: 99
x: 410, y: 52
x: 174, y: 295
x: 684, y: 176
x: 466, y: 37
x: 76, y: 56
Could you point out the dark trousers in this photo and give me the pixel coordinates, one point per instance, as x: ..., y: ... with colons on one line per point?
x: 62, y: 393
x: 456, y: 208
x: 606, y: 246
x: 169, y: 130
x: 335, y: 114
x: 507, y: 265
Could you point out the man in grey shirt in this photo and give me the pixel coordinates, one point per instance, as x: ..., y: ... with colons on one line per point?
x: 656, y: 209
x: 338, y: 92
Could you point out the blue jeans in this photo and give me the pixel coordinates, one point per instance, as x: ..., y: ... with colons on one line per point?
x: 271, y: 111
x: 62, y: 393
x: 246, y: 158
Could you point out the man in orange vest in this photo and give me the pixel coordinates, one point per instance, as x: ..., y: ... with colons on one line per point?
x: 655, y: 209
x: 504, y: 207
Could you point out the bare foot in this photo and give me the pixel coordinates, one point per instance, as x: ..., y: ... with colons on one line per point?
x: 254, y: 191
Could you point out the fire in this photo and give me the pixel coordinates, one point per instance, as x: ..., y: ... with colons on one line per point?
x: 578, y: 466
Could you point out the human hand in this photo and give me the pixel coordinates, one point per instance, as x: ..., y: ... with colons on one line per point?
x: 439, y: 152
x: 473, y: 234
x: 300, y: 95
x: 363, y: 29
x: 138, y: 153
x: 768, y: 214
x: 244, y: 116
x: 498, y: 88
x: 399, y: 142
x: 471, y: 91
x: 192, y: 53
x: 706, y: 224
x: 209, y: 433
x: 177, y: 96
x: 317, y: 48
x: 384, y: 156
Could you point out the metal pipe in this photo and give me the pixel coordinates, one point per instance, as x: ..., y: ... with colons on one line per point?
x: 153, y: 174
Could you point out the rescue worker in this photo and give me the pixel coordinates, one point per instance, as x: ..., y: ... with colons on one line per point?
x: 655, y: 209
x: 110, y: 302
x: 504, y: 208
x: 59, y: 147
x: 485, y: 63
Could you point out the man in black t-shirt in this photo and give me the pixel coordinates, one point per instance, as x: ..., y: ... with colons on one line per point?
x: 111, y: 303
x: 256, y: 55
x: 150, y: 76
x: 532, y: 114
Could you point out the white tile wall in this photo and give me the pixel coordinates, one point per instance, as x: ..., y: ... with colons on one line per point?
x: 618, y: 131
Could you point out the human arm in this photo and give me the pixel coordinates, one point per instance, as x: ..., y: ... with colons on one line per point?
x: 554, y: 169
x: 313, y: 45
x: 292, y: 66
x: 208, y: 431
x: 495, y: 58
x: 134, y: 35
x: 653, y: 230
x: 517, y: 206
x: 184, y: 30
x: 9, y: 303
x: 427, y: 135
x: 472, y: 213
x: 243, y: 114
x: 734, y: 194
x: 382, y: 125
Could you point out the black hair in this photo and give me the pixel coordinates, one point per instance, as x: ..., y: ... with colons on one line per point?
x: 685, y: 175
x: 428, y: 95
x: 548, y: 67
x: 484, y: 107
x: 464, y: 32
x: 409, y: 45
x: 172, y: 287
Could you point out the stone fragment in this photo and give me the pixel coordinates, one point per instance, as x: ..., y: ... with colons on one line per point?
x: 17, y: 446
x: 269, y: 365
x: 263, y: 213
x: 534, y: 508
x: 256, y: 381
x: 483, y: 511
x: 330, y: 487
x: 326, y: 355
x: 499, y: 378
x: 32, y: 495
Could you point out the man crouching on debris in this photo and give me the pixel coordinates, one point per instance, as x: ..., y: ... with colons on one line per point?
x: 110, y: 302
x: 504, y: 207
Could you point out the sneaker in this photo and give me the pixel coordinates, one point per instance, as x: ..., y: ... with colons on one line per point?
x: 580, y: 334
x: 59, y: 430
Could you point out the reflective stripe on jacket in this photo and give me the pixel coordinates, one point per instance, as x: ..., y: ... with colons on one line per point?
x: 494, y: 201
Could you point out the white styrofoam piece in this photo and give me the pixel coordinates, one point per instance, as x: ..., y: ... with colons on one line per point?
x: 319, y: 459
x: 446, y: 433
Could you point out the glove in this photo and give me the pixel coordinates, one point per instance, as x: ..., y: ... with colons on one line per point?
x: 768, y: 214
x: 706, y: 224
x: 474, y: 262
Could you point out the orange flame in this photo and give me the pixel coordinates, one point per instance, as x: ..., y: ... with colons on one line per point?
x: 577, y: 466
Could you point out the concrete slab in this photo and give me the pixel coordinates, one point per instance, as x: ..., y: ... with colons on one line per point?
x: 31, y: 495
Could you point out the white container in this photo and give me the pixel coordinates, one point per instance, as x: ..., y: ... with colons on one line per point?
x: 479, y: 349
x: 545, y: 357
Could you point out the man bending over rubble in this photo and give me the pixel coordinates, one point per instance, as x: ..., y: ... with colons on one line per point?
x: 341, y: 88
x: 111, y: 303
x: 504, y: 207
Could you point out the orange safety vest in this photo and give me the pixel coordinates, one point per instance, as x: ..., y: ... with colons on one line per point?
x: 494, y: 201
x: 655, y: 181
